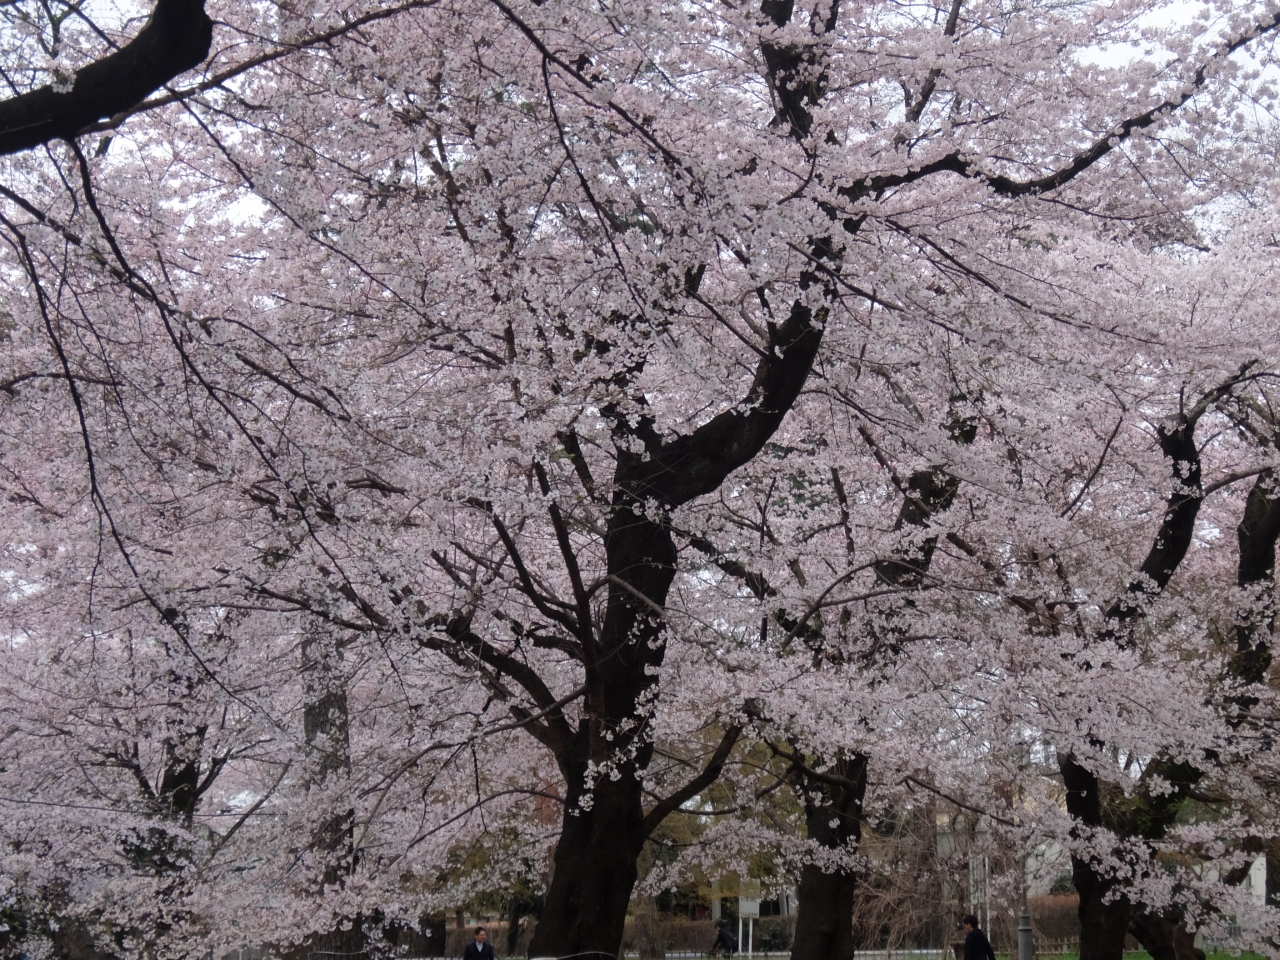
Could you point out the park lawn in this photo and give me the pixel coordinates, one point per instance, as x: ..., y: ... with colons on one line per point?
x: 1143, y: 955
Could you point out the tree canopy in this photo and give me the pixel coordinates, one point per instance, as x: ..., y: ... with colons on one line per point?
x: 445, y: 442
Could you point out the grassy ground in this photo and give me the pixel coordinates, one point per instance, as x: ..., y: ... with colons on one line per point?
x: 1129, y: 955
x: 1143, y: 955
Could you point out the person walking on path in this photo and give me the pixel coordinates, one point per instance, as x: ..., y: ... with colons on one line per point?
x: 976, y: 944
x: 481, y: 949
x: 726, y: 944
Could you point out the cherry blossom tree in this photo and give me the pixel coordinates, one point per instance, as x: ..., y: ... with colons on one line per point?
x: 393, y: 378
x: 1032, y: 471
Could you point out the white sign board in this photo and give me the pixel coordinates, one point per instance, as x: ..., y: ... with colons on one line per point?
x: 749, y: 901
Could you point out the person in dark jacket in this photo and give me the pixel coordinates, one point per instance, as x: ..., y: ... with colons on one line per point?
x: 976, y: 944
x: 726, y: 944
x: 480, y: 948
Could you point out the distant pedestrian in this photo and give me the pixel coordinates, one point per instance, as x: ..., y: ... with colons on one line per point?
x: 481, y: 949
x: 726, y: 944
x: 976, y: 944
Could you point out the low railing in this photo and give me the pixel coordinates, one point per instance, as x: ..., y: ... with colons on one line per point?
x: 1046, y: 947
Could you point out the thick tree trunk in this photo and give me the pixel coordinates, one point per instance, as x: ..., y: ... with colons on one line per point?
x: 1103, y: 923
x: 326, y: 727
x: 1163, y: 937
x: 600, y: 840
x: 595, y: 870
x: 1104, y: 920
x: 824, y: 921
x: 833, y: 819
x: 595, y: 862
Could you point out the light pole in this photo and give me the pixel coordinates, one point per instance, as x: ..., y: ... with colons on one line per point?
x: 1026, y: 942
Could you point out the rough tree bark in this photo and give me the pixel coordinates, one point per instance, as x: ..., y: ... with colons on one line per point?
x: 1105, y: 919
x: 824, y: 917
x: 1165, y: 935
x: 605, y: 823
x: 833, y: 819
x: 326, y: 728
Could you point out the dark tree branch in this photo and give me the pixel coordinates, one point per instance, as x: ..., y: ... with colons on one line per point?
x: 1101, y: 147
x: 790, y: 68
x: 709, y: 775
x: 176, y: 38
x: 959, y: 803
x: 286, y: 49
x: 1257, y: 534
x: 842, y: 498
x: 931, y: 80
x: 690, y: 466
x: 460, y: 643
x: 1177, y: 528
x: 1093, y: 474
x: 548, y: 606
x: 580, y: 595
x: 569, y: 440
x: 798, y: 765
x: 755, y: 582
